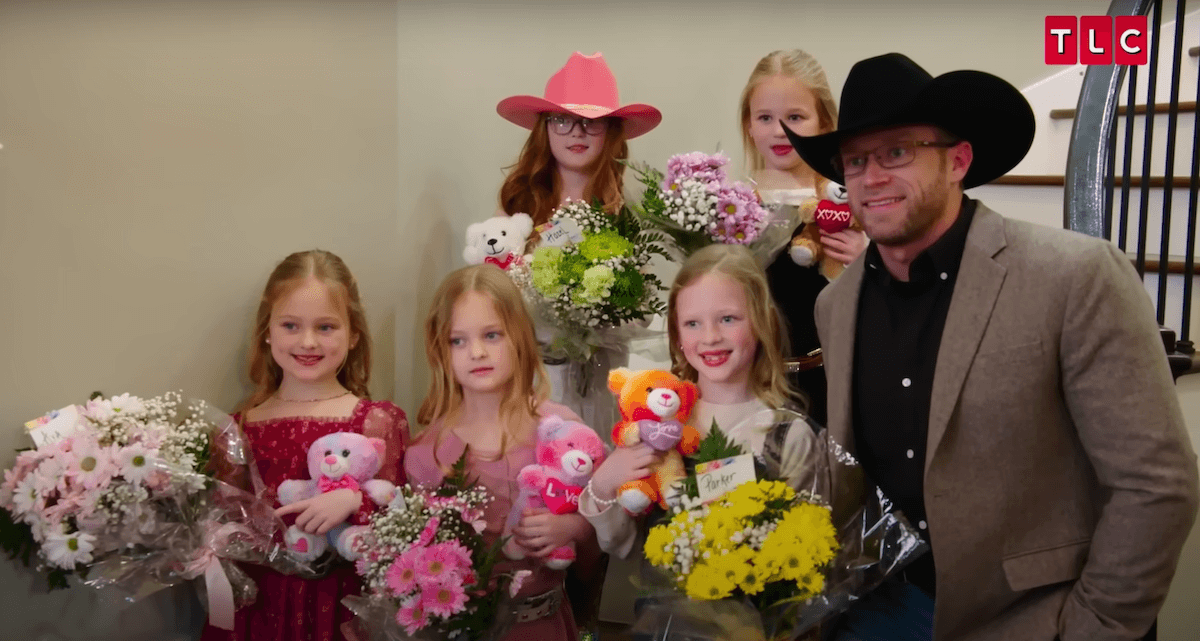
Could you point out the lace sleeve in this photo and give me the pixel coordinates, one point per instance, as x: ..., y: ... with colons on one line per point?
x: 388, y: 422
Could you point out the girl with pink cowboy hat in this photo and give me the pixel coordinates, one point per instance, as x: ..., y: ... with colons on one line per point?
x: 577, y: 138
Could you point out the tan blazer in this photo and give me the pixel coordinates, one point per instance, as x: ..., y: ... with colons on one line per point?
x: 1060, y: 483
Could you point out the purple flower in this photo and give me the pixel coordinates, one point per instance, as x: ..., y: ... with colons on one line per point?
x: 707, y: 168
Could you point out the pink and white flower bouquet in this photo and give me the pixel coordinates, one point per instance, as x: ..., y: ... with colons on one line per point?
x: 694, y: 204
x: 427, y: 570
x: 120, y: 492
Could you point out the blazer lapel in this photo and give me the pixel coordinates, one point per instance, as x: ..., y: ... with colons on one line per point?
x: 975, y: 292
x: 842, y: 322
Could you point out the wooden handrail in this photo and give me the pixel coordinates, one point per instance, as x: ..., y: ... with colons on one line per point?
x: 1159, y: 108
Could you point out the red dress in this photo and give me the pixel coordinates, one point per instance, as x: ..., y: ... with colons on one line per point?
x: 290, y: 608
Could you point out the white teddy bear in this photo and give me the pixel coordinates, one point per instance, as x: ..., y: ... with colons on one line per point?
x: 499, y: 240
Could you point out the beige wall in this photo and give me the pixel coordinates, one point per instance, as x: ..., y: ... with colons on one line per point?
x: 160, y: 156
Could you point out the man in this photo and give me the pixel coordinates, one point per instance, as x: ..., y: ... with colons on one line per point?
x: 1003, y: 383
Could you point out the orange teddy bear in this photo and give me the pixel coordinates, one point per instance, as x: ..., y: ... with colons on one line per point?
x: 655, y: 407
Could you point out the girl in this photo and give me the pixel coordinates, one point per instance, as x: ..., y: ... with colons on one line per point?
x: 789, y: 87
x: 724, y: 334
x: 310, y: 358
x: 486, y: 394
x: 577, y: 140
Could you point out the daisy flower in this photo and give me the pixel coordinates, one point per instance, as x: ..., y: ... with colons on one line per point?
x: 411, y: 615
x: 402, y: 575
x: 518, y: 580
x: 66, y: 550
x: 27, y: 497
x: 126, y: 404
x: 443, y: 600
x: 434, y: 565
x: 91, y: 465
x: 136, y: 462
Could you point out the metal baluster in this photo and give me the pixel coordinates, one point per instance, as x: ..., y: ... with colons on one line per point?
x: 1169, y: 173
x: 1151, y: 87
x: 1127, y: 161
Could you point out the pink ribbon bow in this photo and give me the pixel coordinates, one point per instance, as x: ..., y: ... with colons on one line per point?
x: 216, y: 581
x: 501, y: 263
x: 325, y: 484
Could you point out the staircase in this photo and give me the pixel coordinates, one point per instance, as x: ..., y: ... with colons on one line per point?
x: 1131, y: 212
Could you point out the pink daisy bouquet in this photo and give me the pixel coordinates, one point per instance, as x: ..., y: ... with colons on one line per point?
x: 118, y: 492
x: 694, y: 204
x: 427, y: 571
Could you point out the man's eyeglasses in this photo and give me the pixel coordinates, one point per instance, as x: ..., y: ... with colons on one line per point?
x: 889, y: 156
x: 562, y: 124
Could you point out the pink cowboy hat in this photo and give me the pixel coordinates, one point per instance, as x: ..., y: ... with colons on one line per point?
x: 584, y: 87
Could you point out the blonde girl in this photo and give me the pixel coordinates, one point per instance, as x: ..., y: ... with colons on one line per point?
x: 789, y: 88
x: 309, y: 361
x: 487, y: 392
x: 725, y: 336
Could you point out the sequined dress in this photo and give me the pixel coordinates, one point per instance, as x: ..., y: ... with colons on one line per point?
x: 291, y: 608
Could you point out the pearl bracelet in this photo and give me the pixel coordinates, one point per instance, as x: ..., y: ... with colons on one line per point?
x: 599, y: 501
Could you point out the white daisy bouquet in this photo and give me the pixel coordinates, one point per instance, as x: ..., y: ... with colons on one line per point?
x: 696, y: 205
x: 427, y: 571
x: 590, y: 276
x: 119, y: 491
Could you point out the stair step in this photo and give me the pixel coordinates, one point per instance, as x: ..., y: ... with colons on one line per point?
x: 1174, y: 265
x: 1179, y: 182
x: 1159, y: 108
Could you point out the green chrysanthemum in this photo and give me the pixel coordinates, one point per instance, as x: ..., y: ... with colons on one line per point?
x: 547, y: 270
x: 604, y: 245
x: 597, y: 282
x: 572, y: 267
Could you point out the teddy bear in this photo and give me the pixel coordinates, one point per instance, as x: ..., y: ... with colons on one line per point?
x: 567, y: 452
x: 655, y: 408
x: 499, y: 240
x: 831, y: 215
x: 335, y: 461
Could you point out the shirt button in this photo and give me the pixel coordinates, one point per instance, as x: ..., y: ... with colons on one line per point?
x: 945, y: 275
x: 922, y: 525
x: 910, y: 453
x: 906, y: 382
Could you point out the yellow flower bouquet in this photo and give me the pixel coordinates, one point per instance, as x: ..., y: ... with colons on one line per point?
x: 763, y: 560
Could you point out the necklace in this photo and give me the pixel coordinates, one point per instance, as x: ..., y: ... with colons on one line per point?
x: 309, y: 400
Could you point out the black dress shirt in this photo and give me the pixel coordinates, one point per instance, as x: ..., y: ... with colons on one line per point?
x: 896, y: 345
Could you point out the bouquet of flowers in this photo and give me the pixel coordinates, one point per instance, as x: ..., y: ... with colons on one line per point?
x: 695, y: 205
x: 760, y: 559
x: 118, y: 492
x: 427, y: 570
x: 589, y: 277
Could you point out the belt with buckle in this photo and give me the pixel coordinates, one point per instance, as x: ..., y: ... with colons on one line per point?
x: 812, y: 360
x: 538, y: 606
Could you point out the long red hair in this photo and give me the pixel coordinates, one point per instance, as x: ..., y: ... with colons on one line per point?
x: 533, y: 186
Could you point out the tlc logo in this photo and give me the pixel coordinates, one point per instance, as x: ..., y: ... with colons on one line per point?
x: 1099, y: 42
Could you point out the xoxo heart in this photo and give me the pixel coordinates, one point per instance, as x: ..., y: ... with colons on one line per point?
x: 561, y: 498
x: 832, y: 217
x: 301, y: 545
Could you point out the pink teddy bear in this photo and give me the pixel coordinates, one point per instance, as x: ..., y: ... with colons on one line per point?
x: 567, y: 453
x: 335, y: 461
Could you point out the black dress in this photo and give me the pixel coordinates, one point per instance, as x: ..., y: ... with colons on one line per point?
x: 795, y: 290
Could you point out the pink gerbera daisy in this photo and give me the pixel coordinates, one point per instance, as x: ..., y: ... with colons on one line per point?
x: 411, y: 615
x: 456, y: 554
x: 427, y: 534
x: 402, y: 576
x: 443, y: 600
x: 434, y: 565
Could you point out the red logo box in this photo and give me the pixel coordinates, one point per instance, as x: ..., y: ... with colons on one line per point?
x: 1131, y: 41
x: 1061, y: 37
x: 1096, y: 40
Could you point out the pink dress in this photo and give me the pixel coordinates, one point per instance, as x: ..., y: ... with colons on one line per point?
x: 500, y: 479
x: 291, y: 608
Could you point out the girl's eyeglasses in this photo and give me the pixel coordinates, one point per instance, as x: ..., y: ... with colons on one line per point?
x: 562, y: 125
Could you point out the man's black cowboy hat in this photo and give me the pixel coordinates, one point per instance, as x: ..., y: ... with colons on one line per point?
x: 891, y: 90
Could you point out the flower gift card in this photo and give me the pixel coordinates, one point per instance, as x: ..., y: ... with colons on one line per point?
x: 54, y: 427
x: 560, y: 232
x: 715, y: 478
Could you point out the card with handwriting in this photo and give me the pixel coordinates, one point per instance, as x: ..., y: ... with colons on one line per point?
x: 560, y: 232
x: 715, y: 478
x: 54, y: 427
